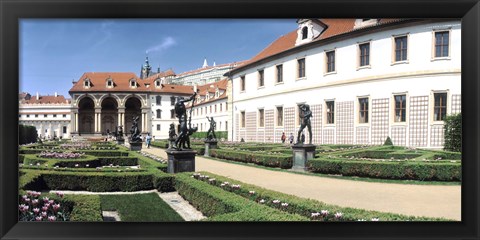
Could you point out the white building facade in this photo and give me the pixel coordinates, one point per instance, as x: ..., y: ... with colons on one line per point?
x: 364, y: 79
x: 50, y: 115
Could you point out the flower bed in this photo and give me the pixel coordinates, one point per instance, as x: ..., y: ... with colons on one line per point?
x: 34, y: 208
x: 61, y: 155
x: 311, y: 209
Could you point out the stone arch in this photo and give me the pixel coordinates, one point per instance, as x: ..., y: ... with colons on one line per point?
x: 113, y: 96
x: 133, y: 107
x: 142, y: 101
x: 81, y: 97
x: 109, y: 115
x: 86, y: 115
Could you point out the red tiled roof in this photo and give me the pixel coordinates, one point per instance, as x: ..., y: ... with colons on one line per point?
x: 166, y: 73
x: 335, y: 27
x: 121, y: 82
x: 59, y: 99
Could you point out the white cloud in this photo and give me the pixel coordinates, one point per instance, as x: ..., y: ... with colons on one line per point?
x: 165, y: 44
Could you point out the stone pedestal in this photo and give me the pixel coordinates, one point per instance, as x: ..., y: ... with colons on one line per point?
x: 181, y: 161
x: 301, y: 154
x: 120, y: 141
x: 210, y: 144
x: 135, y: 146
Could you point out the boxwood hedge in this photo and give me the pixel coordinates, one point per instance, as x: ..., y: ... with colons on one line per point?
x: 269, y: 160
x: 412, y: 170
x: 220, y: 205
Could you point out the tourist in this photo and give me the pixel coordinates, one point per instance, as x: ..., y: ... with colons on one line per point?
x: 291, y: 138
x: 148, y: 138
x: 283, y: 137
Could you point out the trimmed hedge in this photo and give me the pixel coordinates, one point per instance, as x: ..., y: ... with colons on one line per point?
x: 86, y: 208
x: 270, y: 160
x: 27, y: 134
x: 220, y: 205
x: 219, y: 134
x: 442, y: 171
x: 305, y: 207
x: 453, y: 133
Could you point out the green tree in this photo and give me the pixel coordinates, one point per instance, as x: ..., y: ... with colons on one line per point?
x: 453, y: 133
x: 388, y: 142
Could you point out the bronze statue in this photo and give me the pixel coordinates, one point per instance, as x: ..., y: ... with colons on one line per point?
x: 211, y: 131
x: 171, y: 132
x: 181, y: 112
x: 135, y: 137
x: 305, y: 115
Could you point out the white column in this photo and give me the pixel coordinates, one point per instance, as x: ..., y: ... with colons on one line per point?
x: 76, y: 122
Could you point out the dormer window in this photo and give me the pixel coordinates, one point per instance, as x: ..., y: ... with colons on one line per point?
x: 217, y: 93
x: 304, y: 32
x: 109, y: 83
x: 87, y: 83
x: 365, y: 22
x: 133, y: 83
x: 207, y: 96
x: 308, y: 30
x: 157, y: 83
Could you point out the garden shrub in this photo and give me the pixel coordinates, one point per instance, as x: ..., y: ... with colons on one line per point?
x: 453, y: 133
x: 415, y: 170
x: 202, y: 135
x: 388, y: 142
x: 220, y: 205
x: 270, y: 160
x: 27, y: 134
x: 86, y: 208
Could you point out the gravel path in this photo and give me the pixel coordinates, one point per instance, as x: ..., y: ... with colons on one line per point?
x: 409, y: 199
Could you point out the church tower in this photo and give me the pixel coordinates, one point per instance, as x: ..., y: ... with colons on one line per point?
x: 146, y: 69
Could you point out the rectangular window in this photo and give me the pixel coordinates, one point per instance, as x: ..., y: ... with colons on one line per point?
x: 364, y: 54
x: 172, y: 113
x: 330, y: 112
x: 440, y: 111
x: 159, y: 113
x: 261, y: 118
x: 221, y: 107
x: 400, y: 108
x: 158, y: 127
x: 45, y: 115
x: 363, y: 110
x: 242, y: 83
x: 242, y: 119
x: 330, y: 61
x: 54, y: 115
x: 441, y: 44
x: 158, y: 100
x: 401, y: 49
x: 279, y: 116
x: 36, y: 115
x: 261, y: 81
x: 64, y: 115
x: 301, y: 68
x: 210, y: 108
x: 279, y: 73
x: 28, y: 115
x: 64, y: 129
x: 172, y: 100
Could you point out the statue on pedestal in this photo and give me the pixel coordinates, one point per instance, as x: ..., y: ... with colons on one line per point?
x: 211, y: 131
x: 305, y: 115
x: 135, y: 137
x: 185, y: 126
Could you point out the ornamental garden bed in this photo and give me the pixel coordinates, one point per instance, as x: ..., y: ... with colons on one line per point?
x: 234, y: 200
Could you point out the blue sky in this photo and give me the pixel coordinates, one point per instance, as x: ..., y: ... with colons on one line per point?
x: 55, y: 52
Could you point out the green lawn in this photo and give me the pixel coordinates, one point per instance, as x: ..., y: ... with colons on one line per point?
x: 140, y: 208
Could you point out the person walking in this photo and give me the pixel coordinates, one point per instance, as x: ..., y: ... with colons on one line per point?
x: 283, y: 138
x: 291, y: 138
x: 148, y: 138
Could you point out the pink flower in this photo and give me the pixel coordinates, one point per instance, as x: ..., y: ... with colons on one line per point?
x: 45, y: 199
x: 324, y: 212
x: 51, y: 201
x: 27, y: 199
x: 44, y: 214
x: 56, y: 207
x: 251, y: 192
x: 316, y: 214
x: 338, y: 215
x: 262, y: 201
x: 35, y: 201
x: 23, y: 207
x: 60, y: 194
x: 36, y: 210
x: 44, y: 208
x: 39, y: 218
x: 52, y: 218
x: 284, y: 204
x: 276, y: 201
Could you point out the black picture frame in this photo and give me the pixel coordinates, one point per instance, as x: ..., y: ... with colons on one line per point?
x: 13, y: 10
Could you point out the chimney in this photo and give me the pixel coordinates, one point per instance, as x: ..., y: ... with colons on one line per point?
x: 38, y: 97
x: 56, y: 95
